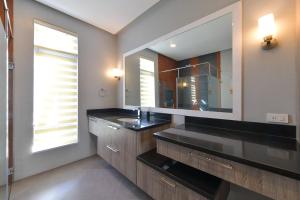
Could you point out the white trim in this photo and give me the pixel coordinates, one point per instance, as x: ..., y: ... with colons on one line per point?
x: 236, y: 10
x: 55, y: 27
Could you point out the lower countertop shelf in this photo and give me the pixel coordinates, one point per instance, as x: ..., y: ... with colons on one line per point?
x: 196, y: 180
x: 283, y: 159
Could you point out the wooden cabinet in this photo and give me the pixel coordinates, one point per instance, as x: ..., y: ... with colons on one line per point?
x: 128, y: 153
x: 160, y: 187
x: 266, y: 183
x: 120, y: 146
x: 117, y: 146
x: 123, y: 158
x: 104, y: 141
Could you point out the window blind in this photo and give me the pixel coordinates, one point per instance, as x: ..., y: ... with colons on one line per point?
x: 147, y: 83
x: 55, y: 87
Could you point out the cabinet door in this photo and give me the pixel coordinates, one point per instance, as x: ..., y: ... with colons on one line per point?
x: 104, y: 141
x: 116, y: 141
x: 128, y: 154
x: 124, y: 156
x: 145, y: 177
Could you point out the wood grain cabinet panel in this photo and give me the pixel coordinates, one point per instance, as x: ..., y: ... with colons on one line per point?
x: 116, y: 147
x: 266, y: 183
x: 128, y: 153
x: 103, y: 141
x: 160, y: 187
x: 145, y: 139
x: 120, y: 146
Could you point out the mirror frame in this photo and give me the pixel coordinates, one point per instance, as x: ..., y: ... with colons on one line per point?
x: 236, y: 11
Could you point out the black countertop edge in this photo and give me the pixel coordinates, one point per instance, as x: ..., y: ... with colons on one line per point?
x: 232, y: 158
x: 147, y: 127
x: 111, y: 110
x: 110, y: 114
x: 265, y: 139
x: 263, y: 129
x: 164, y: 159
x: 121, y: 111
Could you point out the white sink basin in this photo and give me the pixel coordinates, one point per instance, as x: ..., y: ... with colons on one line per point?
x: 128, y: 120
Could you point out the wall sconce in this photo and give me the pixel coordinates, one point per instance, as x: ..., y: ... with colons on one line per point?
x: 117, y: 73
x: 267, y: 31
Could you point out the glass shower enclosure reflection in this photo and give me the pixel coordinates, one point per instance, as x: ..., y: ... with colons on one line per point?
x: 197, y: 88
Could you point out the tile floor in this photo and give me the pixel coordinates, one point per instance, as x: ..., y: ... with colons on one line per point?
x: 90, y: 179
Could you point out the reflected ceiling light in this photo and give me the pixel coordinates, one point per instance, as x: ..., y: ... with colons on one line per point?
x: 172, y: 45
x: 267, y: 31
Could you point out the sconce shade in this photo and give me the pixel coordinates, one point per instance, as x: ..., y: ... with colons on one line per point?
x: 267, y: 31
x: 117, y: 73
x: 267, y: 26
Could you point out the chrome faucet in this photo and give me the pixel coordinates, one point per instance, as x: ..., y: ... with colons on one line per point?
x: 139, y: 112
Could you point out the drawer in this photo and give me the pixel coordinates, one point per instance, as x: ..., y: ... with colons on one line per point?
x: 208, y: 163
x: 93, y: 125
x: 266, y: 183
x: 160, y: 187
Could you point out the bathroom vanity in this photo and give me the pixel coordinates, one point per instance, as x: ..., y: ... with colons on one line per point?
x: 120, y: 141
x: 127, y: 143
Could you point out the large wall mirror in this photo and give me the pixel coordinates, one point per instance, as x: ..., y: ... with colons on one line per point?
x: 195, y: 70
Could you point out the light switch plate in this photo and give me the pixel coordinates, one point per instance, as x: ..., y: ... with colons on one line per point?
x: 278, y: 118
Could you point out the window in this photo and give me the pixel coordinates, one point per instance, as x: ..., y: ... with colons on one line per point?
x: 55, y: 114
x: 147, y: 83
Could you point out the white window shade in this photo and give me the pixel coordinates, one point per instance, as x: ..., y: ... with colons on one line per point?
x: 55, y: 87
x: 147, y: 83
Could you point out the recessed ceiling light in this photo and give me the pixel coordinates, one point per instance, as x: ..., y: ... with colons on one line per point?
x: 172, y: 45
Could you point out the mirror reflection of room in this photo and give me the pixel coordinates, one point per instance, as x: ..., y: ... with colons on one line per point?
x: 198, y: 83
x: 191, y: 71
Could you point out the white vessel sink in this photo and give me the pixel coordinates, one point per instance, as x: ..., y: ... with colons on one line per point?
x: 128, y: 120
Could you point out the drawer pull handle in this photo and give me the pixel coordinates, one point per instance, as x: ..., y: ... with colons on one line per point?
x: 227, y: 166
x: 113, y: 127
x: 112, y: 149
x: 162, y: 179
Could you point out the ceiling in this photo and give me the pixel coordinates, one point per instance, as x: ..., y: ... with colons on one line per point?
x: 211, y: 37
x: 110, y: 15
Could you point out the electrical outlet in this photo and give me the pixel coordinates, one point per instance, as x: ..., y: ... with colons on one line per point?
x: 278, y: 118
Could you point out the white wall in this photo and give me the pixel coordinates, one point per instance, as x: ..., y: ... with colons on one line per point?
x: 269, y: 77
x: 97, y: 54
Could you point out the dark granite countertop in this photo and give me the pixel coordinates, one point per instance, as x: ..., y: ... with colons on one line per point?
x: 201, y: 182
x: 113, y: 114
x: 277, y: 155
